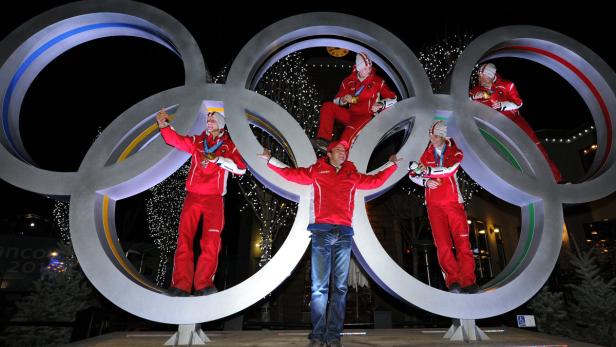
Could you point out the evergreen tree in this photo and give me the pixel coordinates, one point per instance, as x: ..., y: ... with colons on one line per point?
x: 438, y: 59
x: 60, y: 292
x: 550, y: 312
x: 593, y: 309
x: 287, y: 83
x: 590, y: 312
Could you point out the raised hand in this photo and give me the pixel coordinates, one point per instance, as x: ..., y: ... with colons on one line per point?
x: 162, y: 117
x: 267, y: 154
x: 394, y: 159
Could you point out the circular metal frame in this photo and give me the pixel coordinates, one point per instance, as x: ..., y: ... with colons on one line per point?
x: 129, y: 157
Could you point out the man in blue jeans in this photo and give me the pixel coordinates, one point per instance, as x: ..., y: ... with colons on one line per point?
x: 331, y: 253
x: 335, y: 181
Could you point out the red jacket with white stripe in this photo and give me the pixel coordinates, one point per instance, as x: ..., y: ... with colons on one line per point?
x: 503, y: 91
x: 333, y: 192
x: 445, y: 173
x: 374, y: 89
x: 205, y: 177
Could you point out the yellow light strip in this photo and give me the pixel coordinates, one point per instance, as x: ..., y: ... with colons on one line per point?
x: 131, y: 146
x: 216, y: 109
x: 127, y: 151
x: 114, y: 250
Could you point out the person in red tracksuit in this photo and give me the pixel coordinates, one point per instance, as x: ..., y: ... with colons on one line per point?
x: 214, y: 156
x: 362, y: 94
x: 502, y: 95
x: 436, y: 171
x: 334, y: 181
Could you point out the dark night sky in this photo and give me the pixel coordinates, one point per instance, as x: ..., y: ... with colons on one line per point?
x: 93, y: 83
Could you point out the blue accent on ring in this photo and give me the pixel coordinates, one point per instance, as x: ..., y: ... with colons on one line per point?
x: 36, y: 54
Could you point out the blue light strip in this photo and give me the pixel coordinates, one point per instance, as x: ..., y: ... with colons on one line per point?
x: 41, y: 50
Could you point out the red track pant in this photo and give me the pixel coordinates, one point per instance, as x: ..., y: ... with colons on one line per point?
x: 211, y: 207
x: 448, y: 222
x: 523, y: 124
x: 353, y: 122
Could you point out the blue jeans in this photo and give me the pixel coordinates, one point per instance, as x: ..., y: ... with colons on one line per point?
x: 331, y: 253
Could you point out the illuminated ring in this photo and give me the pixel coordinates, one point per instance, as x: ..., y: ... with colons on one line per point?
x: 422, y: 109
x: 539, y: 236
x: 496, y: 151
x: 106, y: 180
x: 594, y: 80
x: 28, y: 49
x: 110, y: 168
x: 126, y: 159
x: 90, y: 207
x: 302, y: 32
x: 541, y: 214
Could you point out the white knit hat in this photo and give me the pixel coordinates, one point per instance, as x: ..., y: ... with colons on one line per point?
x: 439, y: 128
x: 362, y: 60
x: 488, y: 69
x: 220, y: 119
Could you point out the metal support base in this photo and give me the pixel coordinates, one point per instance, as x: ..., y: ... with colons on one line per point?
x: 465, y: 330
x: 188, y: 335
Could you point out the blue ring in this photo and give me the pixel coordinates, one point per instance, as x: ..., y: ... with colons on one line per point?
x: 41, y: 50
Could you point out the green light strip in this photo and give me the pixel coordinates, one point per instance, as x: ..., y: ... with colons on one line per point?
x: 502, y: 148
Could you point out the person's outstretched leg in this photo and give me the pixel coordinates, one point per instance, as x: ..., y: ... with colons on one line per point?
x: 442, y: 241
x: 464, y: 254
x: 341, y: 254
x: 321, y: 269
x: 523, y: 124
x: 330, y: 113
x: 213, y: 223
x: 352, y: 129
x: 183, y: 261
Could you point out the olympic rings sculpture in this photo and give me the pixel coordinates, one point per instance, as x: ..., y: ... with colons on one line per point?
x: 129, y: 156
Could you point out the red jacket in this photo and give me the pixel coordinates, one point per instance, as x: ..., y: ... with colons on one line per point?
x: 448, y: 191
x: 209, y: 178
x: 503, y: 91
x: 374, y: 88
x: 333, y: 193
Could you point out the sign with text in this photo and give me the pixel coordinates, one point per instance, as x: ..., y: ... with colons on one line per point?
x: 526, y: 321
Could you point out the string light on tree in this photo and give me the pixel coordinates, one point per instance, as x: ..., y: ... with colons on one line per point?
x: 438, y: 59
x: 163, y: 209
x: 61, y: 220
x: 61, y: 208
x: 288, y: 84
x: 64, y: 258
